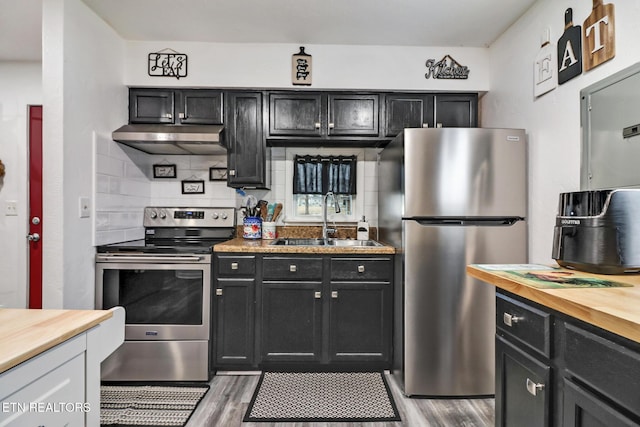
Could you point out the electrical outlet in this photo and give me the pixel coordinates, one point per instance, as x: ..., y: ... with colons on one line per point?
x: 84, y: 207
x: 11, y: 208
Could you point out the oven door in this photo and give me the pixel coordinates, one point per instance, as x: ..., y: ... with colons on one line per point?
x: 166, y: 297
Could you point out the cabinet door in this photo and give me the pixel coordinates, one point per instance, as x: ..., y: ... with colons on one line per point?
x: 456, y: 110
x: 353, y: 115
x: 200, y: 107
x: 296, y: 114
x: 291, y: 321
x: 583, y: 409
x: 360, y: 322
x: 151, y: 106
x: 407, y: 111
x: 246, y: 146
x: 234, y: 308
x: 522, y: 398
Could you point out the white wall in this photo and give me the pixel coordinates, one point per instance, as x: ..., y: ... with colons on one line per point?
x: 20, y: 86
x: 83, y: 95
x: 552, y: 120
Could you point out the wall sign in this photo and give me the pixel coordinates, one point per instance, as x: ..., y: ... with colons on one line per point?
x: 446, y: 68
x: 301, y: 68
x: 569, y: 49
x: 545, y: 75
x: 193, y: 186
x: 162, y: 170
x: 599, y: 35
x: 167, y: 63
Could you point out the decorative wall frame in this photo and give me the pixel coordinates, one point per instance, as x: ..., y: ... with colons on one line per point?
x: 167, y: 63
x: 301, y: 68
x: 217, y: 174
x: 161, y: 170
x: 193, y: 187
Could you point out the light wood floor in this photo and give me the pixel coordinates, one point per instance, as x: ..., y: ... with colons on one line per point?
x: 226, y: 402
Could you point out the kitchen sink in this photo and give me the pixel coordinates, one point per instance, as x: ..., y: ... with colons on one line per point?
x: 325, y: 242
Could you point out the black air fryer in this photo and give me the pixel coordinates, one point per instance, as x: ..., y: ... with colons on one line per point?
x: 598, y: 231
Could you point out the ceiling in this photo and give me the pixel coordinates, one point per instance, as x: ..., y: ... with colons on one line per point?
x: 468, y: 23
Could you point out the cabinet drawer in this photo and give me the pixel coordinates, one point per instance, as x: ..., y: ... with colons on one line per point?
x: 377, y: 269
x: 292, y: 268
x: 526, y: 324
x: 607, y: 367
x: 236, y: 266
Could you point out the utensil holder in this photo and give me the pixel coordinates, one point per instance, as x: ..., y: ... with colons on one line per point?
x: 269, y: 230
x: 252, y: 227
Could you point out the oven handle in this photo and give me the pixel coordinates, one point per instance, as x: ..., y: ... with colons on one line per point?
x: 148, y: 258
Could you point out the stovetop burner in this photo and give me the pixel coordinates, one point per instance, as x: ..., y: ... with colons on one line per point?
x: 180, y: 230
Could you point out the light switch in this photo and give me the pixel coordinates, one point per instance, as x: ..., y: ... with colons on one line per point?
x: 84, y: 207
x: 11, y: 208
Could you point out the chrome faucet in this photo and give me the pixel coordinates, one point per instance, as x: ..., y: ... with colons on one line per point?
x: 336, y: 205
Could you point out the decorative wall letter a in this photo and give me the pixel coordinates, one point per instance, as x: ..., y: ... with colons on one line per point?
x: 569, y: 50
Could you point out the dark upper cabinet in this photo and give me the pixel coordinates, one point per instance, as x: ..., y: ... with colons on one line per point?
x: 323, y: 115
x: 246, y: 146
x: 414, y: 110
x: 456, y: 110
x: 408, y: 111
x: 175, y: 106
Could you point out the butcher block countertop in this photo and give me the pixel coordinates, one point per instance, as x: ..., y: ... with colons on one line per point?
x: 264, y: 246
x: 26, y: 333
x: 615, y: 309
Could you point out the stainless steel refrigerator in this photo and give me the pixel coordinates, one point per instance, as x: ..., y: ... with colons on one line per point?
x: 449, y: 197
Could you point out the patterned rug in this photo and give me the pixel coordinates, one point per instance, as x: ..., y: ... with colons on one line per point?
x: 322, y: 396
x: 149, y: 405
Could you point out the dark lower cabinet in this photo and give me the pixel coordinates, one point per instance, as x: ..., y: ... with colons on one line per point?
x: 522, y: 397
x: 360, y: 316
x: 234, y: 321
x: 584, y: 409
x: 552, y: 370
x: 291, y: 322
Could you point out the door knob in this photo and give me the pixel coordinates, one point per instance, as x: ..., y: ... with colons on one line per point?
x: 35, y: 237
x: 35, y: 220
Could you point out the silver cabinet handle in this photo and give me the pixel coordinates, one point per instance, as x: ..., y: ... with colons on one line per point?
x: 218, y: 292
x: 182, y: 115
x: 234, y: 265
x: 317, y: 125
x: 293, y: 268
x: 334, y: 294
x: 232, y: 172
x: 425, y: 125
x: 510, y: 319
x: 331, y: 125
x: 168, y: 115
x: 533, y: 387
x: 317, y: 295
x: 361, y: 269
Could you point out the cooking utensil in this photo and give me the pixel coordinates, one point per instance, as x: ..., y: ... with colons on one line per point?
x: 270, y: 211
x: 276, y: 211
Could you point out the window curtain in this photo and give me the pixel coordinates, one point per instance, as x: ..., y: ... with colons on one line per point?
x: 321, y: 174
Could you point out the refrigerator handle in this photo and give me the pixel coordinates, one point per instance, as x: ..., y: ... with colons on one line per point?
x: 485, y: 222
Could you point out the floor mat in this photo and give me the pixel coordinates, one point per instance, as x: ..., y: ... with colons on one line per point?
x: 147, y: 405
x: 322, y: 396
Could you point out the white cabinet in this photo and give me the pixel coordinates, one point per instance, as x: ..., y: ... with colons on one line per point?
x: 61, y: 386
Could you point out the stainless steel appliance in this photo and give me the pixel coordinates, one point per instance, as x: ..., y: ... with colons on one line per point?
x: 598, y: 231
x: 172, y: 139
x: 164, y: 284
x: 449, y: 197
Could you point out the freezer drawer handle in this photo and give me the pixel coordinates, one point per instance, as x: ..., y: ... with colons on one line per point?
x: 534, y: 388
x: 510, y: 319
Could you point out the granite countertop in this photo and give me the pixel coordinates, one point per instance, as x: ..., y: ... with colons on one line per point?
x: 615, y: 309
x: 26, y: 333
x: 264, y: 246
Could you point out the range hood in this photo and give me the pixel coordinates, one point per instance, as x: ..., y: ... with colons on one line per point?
x: 171, y: 139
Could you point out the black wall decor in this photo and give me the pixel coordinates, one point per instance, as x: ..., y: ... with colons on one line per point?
x: 446, y: 68
x: 569, y: 49
x: 167, y: 63
x: 301, y: 68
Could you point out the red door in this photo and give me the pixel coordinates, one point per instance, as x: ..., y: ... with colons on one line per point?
x: 35, y: 206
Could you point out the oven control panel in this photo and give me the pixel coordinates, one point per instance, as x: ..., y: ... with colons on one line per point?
x: 189, y: 217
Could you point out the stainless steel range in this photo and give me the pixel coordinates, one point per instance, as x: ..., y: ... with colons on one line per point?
x: 164, y: 284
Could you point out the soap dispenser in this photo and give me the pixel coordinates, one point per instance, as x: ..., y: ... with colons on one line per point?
x: 362, y: 229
